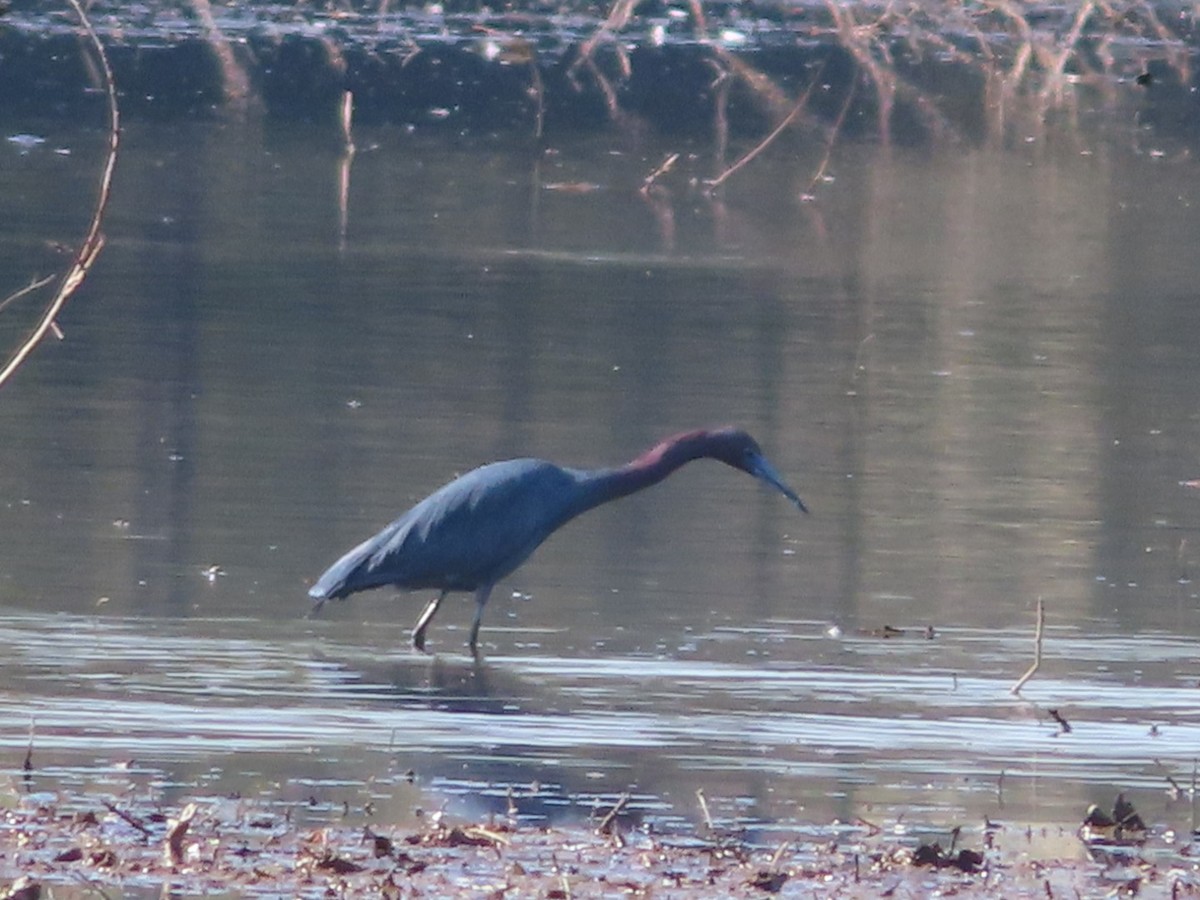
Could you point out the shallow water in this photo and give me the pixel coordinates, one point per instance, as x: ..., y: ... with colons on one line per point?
x: 977, y: 368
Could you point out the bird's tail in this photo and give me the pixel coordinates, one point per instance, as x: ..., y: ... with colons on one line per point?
x: 345, y: 576
x: 320, y: 594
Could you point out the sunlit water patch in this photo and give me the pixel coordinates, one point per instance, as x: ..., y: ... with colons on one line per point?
x: 829, y: 729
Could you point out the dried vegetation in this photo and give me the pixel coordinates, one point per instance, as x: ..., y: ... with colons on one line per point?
x: 234, y: 847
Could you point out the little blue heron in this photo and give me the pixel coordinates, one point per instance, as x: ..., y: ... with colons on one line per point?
x: 480, y: 527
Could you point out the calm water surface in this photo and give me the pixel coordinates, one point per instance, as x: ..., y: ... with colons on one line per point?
x: 978, y: 369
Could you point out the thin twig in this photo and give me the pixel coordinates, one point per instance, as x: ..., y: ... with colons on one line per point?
x: 94, y: 240
x: 1037, y: 649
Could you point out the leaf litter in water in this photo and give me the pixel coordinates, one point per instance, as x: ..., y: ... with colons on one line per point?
x: 208, y: 846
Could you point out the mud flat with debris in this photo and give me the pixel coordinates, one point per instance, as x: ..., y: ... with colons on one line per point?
x: 78, y: 846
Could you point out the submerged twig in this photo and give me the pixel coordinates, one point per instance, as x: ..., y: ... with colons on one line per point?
x: 129, y: 819
x: 1037, y: 649
x: 94, y: 241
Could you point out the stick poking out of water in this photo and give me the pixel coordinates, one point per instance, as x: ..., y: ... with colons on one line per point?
x: 1037, y: 649
x: 173, y: 849
x: 704, y: 808
x: 607, y: 821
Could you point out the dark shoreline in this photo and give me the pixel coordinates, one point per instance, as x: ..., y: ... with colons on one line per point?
x: 548, y: 72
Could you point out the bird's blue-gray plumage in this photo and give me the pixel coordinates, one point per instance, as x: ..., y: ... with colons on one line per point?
x: 481, y: 527
x: 450, y: 540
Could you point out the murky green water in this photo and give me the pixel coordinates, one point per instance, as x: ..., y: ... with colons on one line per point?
x: 978, y: 369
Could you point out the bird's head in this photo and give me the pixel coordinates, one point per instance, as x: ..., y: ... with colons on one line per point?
x: 738, y: 449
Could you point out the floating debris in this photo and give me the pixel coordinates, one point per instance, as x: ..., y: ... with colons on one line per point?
x: 26, y: 142
x: 1123, y: 828
x: 208, y: 847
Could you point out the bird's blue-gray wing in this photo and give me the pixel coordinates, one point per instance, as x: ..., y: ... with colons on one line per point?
x: 474, y: 531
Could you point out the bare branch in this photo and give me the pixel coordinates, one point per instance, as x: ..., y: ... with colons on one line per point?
x: 94, y: 240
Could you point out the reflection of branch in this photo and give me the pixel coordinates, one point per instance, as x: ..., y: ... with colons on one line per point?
x: 833, y: 136
x: 235, y: 84
x: 763, y: 88
x: 611, y: 103
x: 765, y: 142
x: 618, y: 18
x: 346, y: 119
x: 666, y: 166
x: 94, y: 240
x: 1055, y: 81
x: 858, y: 41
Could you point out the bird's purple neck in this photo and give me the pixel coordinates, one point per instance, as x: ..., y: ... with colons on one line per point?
x: 650, y: 468
x: 665, y: 457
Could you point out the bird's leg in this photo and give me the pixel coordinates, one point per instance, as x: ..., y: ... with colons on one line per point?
x: 481, y: 599
x: 427, y: 615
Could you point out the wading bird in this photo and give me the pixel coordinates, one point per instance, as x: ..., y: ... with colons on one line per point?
x: 480, y: 527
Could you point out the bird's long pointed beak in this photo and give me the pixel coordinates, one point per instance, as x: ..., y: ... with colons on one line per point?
x: 763, y: 470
